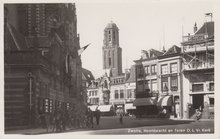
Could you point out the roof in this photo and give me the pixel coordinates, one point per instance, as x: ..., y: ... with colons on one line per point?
x: 87, y: 74
x: 150, y: 54
x: 207, y: 27
x: 173, y: 50
x: 111, y: 25
x: 132, y: 75
x: 154, y: 53
x: 13, y: 39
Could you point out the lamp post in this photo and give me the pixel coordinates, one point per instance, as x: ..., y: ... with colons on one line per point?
x: 30, y: 77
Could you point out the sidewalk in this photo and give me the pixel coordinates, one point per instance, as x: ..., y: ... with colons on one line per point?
x: 107, y: 123
x: 38, y: 131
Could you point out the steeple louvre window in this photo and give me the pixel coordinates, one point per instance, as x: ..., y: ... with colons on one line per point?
x: 109, y: 35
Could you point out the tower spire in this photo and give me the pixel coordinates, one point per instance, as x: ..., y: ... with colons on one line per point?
x: 112, y: 53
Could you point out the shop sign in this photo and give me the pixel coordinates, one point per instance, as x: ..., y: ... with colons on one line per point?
x: 46, y: 105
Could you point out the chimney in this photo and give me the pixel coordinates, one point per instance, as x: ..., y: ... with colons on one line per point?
x: 195, y: 28
x: 164, y: 50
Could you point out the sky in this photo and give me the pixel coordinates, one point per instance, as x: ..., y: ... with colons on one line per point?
x: 142, y: 26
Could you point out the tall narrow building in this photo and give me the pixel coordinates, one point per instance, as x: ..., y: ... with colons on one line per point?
x: 112, y: 53
x: 43, y: 72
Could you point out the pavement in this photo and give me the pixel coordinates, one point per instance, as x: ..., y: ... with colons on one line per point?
x: 131, y: 125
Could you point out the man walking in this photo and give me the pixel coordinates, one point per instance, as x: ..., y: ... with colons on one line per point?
x: 97, y: 115
x: 91, y: 118
x: 121, y: 118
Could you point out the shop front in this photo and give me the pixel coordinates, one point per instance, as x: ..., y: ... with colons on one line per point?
x: 146, y: 106
x: 164, y: 105
x: 106, y: 110
x: 119, y: 106
x: 130, y: 109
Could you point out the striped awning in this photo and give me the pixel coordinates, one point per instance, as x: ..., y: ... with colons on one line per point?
x: 211, y: 95
x: 105, y: 108
x: 129, y: 106
x: 164, y: 101
x: 93, y: 107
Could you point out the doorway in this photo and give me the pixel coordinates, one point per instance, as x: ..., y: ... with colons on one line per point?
x: 198, y: 100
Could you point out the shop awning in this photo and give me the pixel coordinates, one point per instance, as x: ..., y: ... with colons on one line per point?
x: 211, y: 96
x: 93, y: 107
x: 145, y: 101
x: 105, y: 108
x: 164, y: 101
x: 129, y: 106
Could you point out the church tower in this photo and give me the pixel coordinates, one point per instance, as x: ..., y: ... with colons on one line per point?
x: 112, y: 53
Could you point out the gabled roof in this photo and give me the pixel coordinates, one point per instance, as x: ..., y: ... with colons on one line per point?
x: 173, y: 50
x: 208, y: 27
x: 88, y: 75
x: 150, y: 54
x: 132, y: 75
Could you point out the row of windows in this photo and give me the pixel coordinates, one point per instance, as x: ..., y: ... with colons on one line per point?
x: 200, y: 87
x: 150, y: 70
x: 173, y: 83
x: 94, y: 101
x: 153, y: 69
x: 93, y: 93
x: 119, y: 80
x: 120, y: 95
x: 146, y: 85
x: 173, y: 68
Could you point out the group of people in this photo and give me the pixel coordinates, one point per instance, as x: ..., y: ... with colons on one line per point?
x: 89, y: 117
x: 55, y: 122
x: 60, y: 120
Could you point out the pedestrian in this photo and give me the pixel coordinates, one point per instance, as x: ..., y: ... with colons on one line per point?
x: 121, y: 118
x: 63, y: 118
x: 53, y: 122
x: 47, y: 121
x: 97, y: 115
x: 165, y: 113
x: 91, y: 118
x: 58, y: 122
x: 198, y: 114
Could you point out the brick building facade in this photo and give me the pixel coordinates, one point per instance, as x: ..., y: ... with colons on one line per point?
x: 43, y: 71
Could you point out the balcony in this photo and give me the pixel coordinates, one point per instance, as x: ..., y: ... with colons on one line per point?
x: 195, y: 38
x: 198, y: 66
x: 198, y: 47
